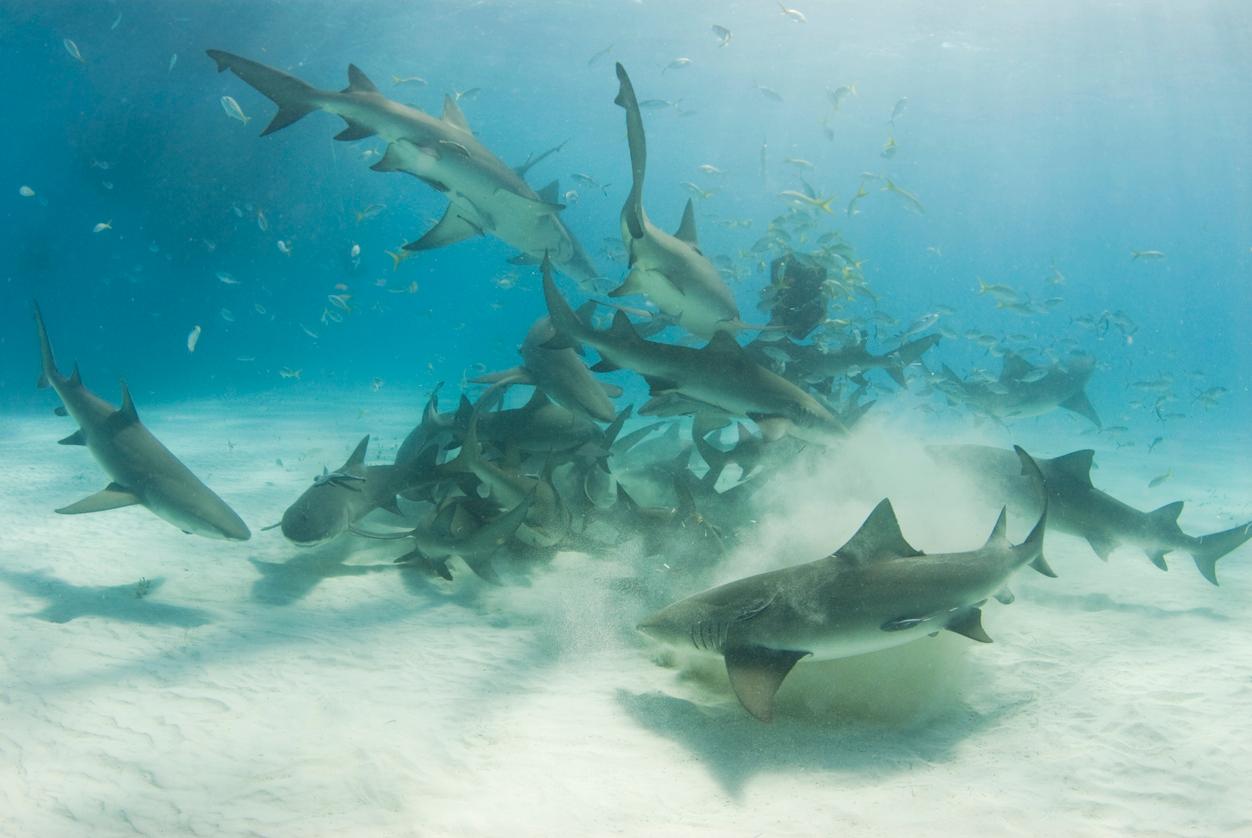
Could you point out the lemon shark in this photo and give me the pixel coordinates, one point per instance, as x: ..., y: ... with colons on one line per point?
x: 720, y: 374
x: 1025, y: 390
x: 143, y: 471
x: 1077, y: 507
x: 872, y: 593
x: 485, y: 195
x: 669, y: 270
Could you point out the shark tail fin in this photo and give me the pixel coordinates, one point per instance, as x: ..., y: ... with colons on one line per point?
x: 908, y: 354
x: 1209, y: 548
x: 632, y: 212
x: 1032, y: 547
x: 294, y: 98
x: 48, y: 368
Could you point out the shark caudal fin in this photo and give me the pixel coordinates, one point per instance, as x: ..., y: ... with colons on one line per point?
x: 48, y: 366
x: 907, y: 355
x: 632, y: 211
x: 294, y: 98
x: 1209, y: 548
x: 1032, y: 547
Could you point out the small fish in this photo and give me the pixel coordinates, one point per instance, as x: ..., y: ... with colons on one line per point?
x: 193, y: 338
x: 898, y: 110
x: 570, y: 197
x: 599, y: 56
x: 467, y: 95
x: 837, y: 95
x: 710, y: 169
x: 259, y: 309
x: 72, y: 49
x: 369, y: 212
x: 308, y: 331
x: 798, y: 162
x: 262, y: 223
x: 912, y: 200
x: 401, y: 80
x: 769, y: 93
x: 376, y: 384
x: 696, y: 190
x: 1146, y: 255
x: 796, y: 195
x: 26, y: 192
x: 398, y: 256
x: 102, y: 226
x: 226, y: 279
x: 856, y: 199
x: 889, y: 148
x: 232, y: 109
x: 173, y: 61
x: 354, y: 252
x: 793, y: 14
x: 340, y: 301
x: 1155, y: 442
x: 227, y: 315
x: 723, y: 34
x: 116, y: 21
x: 1160, y: 478
x: 676, y: 64
x: 284, y: 247
x: 920, y: 325
x: 588, y: 180
x: 657, y: 104
x: 288, y: 372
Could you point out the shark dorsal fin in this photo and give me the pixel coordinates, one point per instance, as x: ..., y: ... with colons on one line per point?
x: 687, y: 227
x: 358, y: 82
x: 551, y: 194
x: 1015, y: 366
x: 430, y: 416
x: 622, y: 328
x: 127, y: 410
x: 1000, y: 532
x: 1168, y: 513
x: 453, y: 115
x: 464, y: 411
x: 723, y: 344
x: 76, y: 377
x: 878, y: 538
x: 1075, y: 465
x: 357, y: 460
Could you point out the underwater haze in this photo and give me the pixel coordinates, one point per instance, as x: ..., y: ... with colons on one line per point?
x: 440, y: 540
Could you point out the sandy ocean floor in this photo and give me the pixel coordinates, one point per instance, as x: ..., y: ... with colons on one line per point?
x: 263, y: 689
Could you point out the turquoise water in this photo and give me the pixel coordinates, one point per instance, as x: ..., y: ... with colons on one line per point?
x: 1088, y: 159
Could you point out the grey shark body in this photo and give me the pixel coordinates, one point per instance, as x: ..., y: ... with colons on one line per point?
x: 873, y: 593
x: 810, y: 363
x: 1024, y: 390
x: 670, y: 270
x: 143, y: 470
x: 1077, y: 507
x: 720, y: 374
x: 339, y: 499
x: 485, y: 195
x: 560, y: 373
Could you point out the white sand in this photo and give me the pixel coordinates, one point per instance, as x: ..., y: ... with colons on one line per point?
x: 333, y: 694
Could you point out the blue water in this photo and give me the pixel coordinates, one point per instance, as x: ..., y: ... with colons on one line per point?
x: 1051, y: 135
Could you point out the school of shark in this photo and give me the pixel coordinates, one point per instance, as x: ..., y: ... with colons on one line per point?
x: 478, y: 485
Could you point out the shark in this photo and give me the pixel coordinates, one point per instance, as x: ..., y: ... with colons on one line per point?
x: 484, y: 194
x: 810, y: 363
x: 1077, y: 507
x: 559, y: 373
x: 669, y: 269
x: 720, y: 374
x: 1024, y: 390
x: 339, y: 499
x: 873, y: 593
x: 142, y: 471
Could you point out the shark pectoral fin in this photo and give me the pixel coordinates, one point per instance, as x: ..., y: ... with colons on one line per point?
x: 1078, y: 403
x: 969, y: 624
x: 112, y: 496
x: 452, y: 228
x: 76, y: 438
x: 1157, y: 557
x: 657, y: 386
x: 633, y: 284
x: 756, y: 673
x: 1103, y: 546
x: 392, y: 159
x: 354, y: 131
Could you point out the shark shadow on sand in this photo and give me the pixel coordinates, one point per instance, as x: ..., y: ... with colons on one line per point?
x: 734, y: 748
x: 285, y: 583
x: 127, y: 603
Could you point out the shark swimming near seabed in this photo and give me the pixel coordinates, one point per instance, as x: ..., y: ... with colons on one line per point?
x: 720, y: 374
x: 810, y: 363
x: 669, y: 270
x: 1077, y: 507
x: 485, y: 195
x: 1024, y: 390
x: 339, y: 499
x: 873, y: 593
x: 142, y: 470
